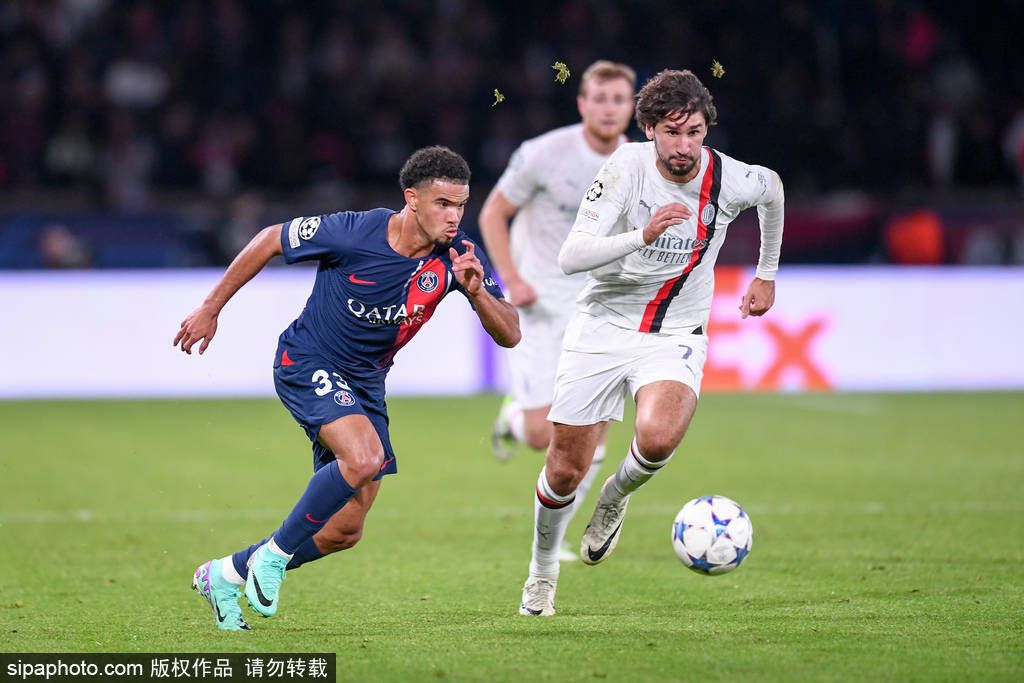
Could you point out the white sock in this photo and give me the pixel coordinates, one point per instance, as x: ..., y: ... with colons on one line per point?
x: 273, y: 547
x: 634, y: 471
x: 228, y: 571
x: 517, y: 421
x: 552, y: 513
x: 588, y: 478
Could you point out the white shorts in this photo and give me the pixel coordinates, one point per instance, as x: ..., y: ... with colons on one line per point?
x: 602, y: 363
x: 532, y: 363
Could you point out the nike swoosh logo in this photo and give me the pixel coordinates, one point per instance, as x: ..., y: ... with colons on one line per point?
x: 315, y: 521
x: 595, y: 556
x: 220, y: 617
x: 534, y: 612
x: 355, y: 280
x: 385, y: 463
x: 259, y: 593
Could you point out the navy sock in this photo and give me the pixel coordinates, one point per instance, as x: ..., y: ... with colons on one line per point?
x: 326, y: 494
x: 307, y: 552
x: 241, y: 558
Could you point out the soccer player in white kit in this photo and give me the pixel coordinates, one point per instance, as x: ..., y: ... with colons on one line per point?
x: 647, y: 233
x: 542, y: 189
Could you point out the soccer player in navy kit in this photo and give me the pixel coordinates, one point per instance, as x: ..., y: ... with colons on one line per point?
x: 381, y: 275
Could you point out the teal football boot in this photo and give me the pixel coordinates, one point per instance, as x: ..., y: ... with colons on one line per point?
x: 222, y: 595
x: 266, y: 572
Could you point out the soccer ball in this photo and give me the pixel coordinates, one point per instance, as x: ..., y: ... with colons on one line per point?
x: 712, y: 535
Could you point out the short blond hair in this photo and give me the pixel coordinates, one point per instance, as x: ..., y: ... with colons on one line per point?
x: 605, y: 70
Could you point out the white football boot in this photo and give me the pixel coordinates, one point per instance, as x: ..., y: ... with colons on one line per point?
x: 605, y: 526
x: 538, y: 597
x: 503, y: 442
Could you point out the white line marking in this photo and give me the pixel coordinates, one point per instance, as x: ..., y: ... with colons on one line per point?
x: 653, y: 510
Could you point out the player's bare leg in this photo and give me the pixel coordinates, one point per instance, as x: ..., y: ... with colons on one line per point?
x: 663, y: 413
x: 517, y: 425
x: 568, y: 458
x: 565, y: 551
x: 342, y: 531
x: 354, y: 441
x: 530, y: 426
x: 536, y: 428
x: 345, y: 528
x: 360, y: 455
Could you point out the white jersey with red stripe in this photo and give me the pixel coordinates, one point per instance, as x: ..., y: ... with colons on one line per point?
x: 667, y: 286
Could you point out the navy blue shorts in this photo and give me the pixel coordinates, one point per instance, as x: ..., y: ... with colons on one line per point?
x: 315, y: 392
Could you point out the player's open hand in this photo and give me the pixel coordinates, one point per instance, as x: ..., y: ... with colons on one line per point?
x: 467, y: 268
x: 664, y: 218
x: 521, y: 292
x: 759, y: 298
x: 200, y: 324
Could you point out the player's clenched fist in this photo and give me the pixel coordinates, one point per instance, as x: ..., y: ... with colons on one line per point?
x: 664, y: 218
x: 467, y: 268
x: 759, y: 298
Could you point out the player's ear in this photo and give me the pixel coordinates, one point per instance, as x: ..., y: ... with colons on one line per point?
x: 410, y: 198
x: 649, y: 132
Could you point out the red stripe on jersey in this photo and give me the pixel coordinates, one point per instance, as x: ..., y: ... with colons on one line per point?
x: 420, y: 304
x: 285, y: 360
x: 647, y: 323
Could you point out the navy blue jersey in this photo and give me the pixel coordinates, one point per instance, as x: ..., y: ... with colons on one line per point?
x: 368, y: 300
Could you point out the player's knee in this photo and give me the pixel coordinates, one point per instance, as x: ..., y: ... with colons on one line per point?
x: 362, y: 467
x: 563, y: 474
x: 657, y: 444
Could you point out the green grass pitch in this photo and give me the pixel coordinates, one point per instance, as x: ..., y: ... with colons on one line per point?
x: 887, y: 543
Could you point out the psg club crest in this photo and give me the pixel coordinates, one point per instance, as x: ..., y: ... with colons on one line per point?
x: 427, y: 281
x: 308, y: 226
x: 595, y: 191
x: 344, y: 398
x: 707, y: 214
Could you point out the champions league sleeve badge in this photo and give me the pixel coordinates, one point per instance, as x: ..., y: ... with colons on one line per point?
x: 308, y: 227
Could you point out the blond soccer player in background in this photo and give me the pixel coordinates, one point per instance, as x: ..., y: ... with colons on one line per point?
x: 524, y: 222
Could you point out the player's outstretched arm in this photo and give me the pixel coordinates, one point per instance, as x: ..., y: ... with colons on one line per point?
x: 498, y: 317
x: 760, y: 295
x: 494, y: 227
x: 201, y: 324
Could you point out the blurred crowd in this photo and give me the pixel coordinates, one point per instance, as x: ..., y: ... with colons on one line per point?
x: 127, y: 99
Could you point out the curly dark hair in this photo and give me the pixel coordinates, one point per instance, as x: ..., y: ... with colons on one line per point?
x: 435, y: 162
x: 673, y: 92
